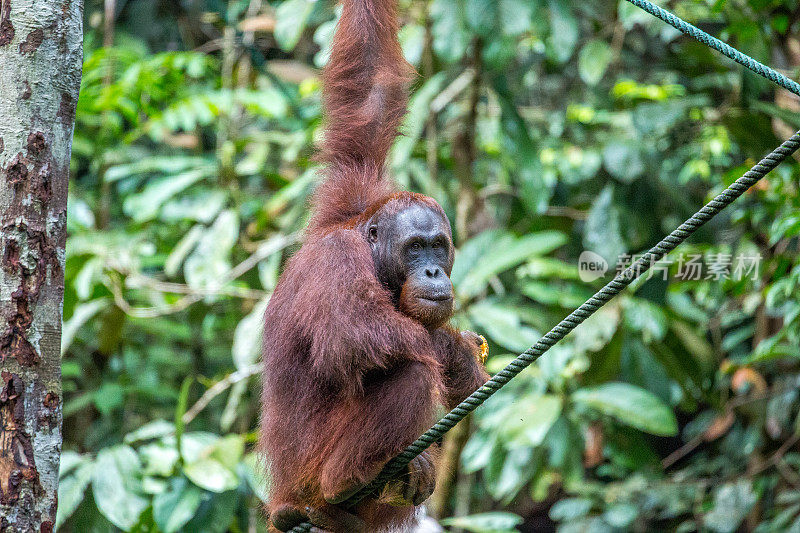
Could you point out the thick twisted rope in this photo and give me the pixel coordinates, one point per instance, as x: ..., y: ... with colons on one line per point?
x: 600, y: 298
x: 727, y: 50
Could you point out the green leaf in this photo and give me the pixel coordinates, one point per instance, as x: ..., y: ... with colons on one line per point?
x: 450, y: 35
x: 246, y: 349
x: 732, y: 502
x: 507, y: 251
x: 247, y: 336
x: 536, y: 184
x: 656, y: 117
x: 630, y: 405
x: 176, y: 506
x: 646, y: 318
x: 593, y: 61
x: 116, y: 486
x: 772, y: 348
x: 255, y: 472
x: 548, y: 268
x: 180, y: 410
x: 597, y: 330
x: 196, y: 444
x: 471, y: 253
x: 155, y: 165
x: 80, y: 217
x: 72, y: 485
x: 323, y: 37
x: 199, y: 205
x: 570, y: 509
x: 80, y: 316
x: 159, y: 459
x: 210, y: 474
x: 211, y: 462
x: 414, y: 122
x: 532, y: 418
x: 553, y: 293
x: 228, y: 450
x: 621, y: 515
x: 502, y: 323
x: 412, y: 39
x: 108, y: 397
x: 480, y: 15
x: 145, y: 205
x: 294, y: 192
x: 88, y: 277
x: 182, y: 249
x: 210, y: 260
x: 215, y: 514
x: 492, y: 522
x: 639, y: 366
x: 515, y: 16
x: 565, y: 445
x: 623, y: 160
x: 563, y: 31
x: 736, y: 337
x: 602, y: 233
x: 291, y: 18
x: 479, y: 449
x: 69, y: 462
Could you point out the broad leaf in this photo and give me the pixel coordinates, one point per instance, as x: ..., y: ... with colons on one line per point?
x: 502, y: 323
x: 255, y: 472
x: 623, y: 160
x: 602, y: 233
x: 563, y: 31
x: 145, y: 205
x: 450, y: 35
x: 493, y: 522
x: 500, y: 251
x: 593, y: 61
x: 210, y: 474
x: 177, y: 505
x: 570, y: 509
x: 72, y: 486
x: 116, y: 486
x: 211, y: 259
x: 732, y: 502
x: 291, y: 18
x: 532, y: 418
x: 630, y: 405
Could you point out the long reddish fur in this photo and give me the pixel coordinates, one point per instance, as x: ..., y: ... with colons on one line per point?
x: 364, y: 95
x: 349, y: 380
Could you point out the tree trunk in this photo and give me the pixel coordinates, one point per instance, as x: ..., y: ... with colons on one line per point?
x: 40, y: 67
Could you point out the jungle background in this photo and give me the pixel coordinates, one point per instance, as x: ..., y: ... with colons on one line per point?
x: 544, y: 128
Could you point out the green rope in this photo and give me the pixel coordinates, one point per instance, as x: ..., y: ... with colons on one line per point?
x: 600, y: 298
x: 729, y: 51
x: 395, y: 466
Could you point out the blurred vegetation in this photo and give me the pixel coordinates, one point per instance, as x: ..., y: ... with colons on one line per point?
x: 544, y: 128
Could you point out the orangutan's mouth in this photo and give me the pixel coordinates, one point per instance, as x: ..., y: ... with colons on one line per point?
x: 437, y: 298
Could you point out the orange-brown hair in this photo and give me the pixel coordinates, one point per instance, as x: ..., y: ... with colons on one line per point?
x: 364, y: 95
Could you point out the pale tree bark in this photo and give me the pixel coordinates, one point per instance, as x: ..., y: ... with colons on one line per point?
x: 40, y: 66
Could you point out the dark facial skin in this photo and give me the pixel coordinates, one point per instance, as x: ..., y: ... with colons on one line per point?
x: 413, y: 254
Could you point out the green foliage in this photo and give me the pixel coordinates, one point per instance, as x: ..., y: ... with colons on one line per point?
x: 495, y: 522
x: 631, y: 406
x: 204, y: 481
x: 544, y: 128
